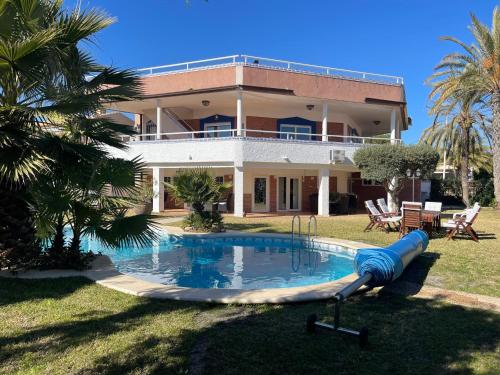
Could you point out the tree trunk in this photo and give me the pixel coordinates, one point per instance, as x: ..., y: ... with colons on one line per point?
x: 496, y: 145
x: 57, y: 248
x: 75, y: 241
x: 464, y: 167
x: 18, y: 245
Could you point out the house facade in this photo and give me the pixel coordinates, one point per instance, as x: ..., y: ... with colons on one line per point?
x: 283, y: 133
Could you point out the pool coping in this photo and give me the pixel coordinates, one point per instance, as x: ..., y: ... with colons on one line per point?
x: 104, y: 273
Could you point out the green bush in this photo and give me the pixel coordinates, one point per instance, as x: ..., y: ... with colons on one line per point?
x: 204, y: 221
x: 483, y: 190
x: 448, y: 191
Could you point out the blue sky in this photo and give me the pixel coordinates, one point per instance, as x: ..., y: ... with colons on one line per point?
x: 381, y: 36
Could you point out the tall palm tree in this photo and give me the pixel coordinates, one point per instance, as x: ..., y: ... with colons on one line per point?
x: 476, y: 69
x: 464, y: 135
x: 50, y: 92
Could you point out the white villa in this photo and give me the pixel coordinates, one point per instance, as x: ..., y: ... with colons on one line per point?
x: 283, y: 133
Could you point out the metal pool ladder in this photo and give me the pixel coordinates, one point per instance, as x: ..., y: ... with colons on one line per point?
x: 312, y: 218
x: 293, y: 227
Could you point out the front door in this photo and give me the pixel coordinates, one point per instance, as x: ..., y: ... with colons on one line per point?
x: 288, y: 194
x: 260, y: 194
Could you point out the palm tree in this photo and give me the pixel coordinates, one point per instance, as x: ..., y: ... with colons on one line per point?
x: 475, y: 70
x: 50, y: 92
x: 463, y: 135
x: 197, y: 187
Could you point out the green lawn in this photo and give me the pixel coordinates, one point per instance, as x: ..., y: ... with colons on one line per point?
x: 71, y: 326
x: 461, y: 265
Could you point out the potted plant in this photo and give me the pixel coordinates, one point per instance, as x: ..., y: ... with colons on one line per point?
x: 144, y: 200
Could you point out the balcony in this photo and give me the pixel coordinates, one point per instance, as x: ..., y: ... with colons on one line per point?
x: 253, y: 147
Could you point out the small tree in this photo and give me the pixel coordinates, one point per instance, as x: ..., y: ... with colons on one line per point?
x: 198, y: 187
x: 389, y: 163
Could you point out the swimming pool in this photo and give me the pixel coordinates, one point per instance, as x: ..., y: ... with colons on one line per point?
x: 231, y: 261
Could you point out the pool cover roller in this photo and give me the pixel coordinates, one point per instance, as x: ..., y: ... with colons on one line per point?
x: 387, y: 264
x: 375, y: 267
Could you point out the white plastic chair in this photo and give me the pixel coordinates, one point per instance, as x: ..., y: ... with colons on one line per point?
x: 433, y: 206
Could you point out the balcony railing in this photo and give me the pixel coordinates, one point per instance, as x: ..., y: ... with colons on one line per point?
x: 276, y: 64
x: 257, y: 135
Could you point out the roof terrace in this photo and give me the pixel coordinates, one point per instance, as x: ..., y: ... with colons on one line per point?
x: 268, y: 63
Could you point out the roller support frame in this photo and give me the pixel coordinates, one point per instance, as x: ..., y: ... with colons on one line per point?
x: 340, y: 297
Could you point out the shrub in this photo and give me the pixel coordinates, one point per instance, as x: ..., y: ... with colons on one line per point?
x: 204, y: 221
x: 483, y: 189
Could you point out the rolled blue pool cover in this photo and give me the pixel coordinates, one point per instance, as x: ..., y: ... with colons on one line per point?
x: 387, y: 264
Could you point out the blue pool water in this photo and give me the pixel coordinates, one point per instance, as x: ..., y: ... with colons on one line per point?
x: 231, y: 262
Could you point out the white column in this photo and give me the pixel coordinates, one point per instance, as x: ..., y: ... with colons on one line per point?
x: 393, y: 126
x: 158, y: 190
x: 324, y: 123
x: 394, y: 136
x: 346, y: 133
x: 239, y: 114
x: 324, y: 192
x: 158, y: 121
x: 238, y: 183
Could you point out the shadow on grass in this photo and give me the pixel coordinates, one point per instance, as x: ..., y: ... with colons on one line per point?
x: 463, y: 236
x: 53, y: 288
x: 407, y: 335
x: 413, y: 278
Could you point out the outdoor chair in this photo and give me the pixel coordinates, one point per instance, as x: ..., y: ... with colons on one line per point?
x: 412, y: 218
x: 384, y: 208
x: 467, y: 210
x: 463, y: 224
x: 433, y: 206
x: 413, y: 205
x: 379, y: 220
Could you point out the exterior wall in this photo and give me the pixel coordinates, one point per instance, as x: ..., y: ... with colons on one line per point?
x: 261, y: 123
x: 309, y: 85
x: 309, y: 186
x: 189, y: 81
x: 365, y: 193
x: 247, y: 202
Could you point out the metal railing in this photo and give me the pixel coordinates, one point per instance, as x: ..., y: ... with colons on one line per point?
x: 265, y: 62
x: 259, y: 134
x: 312, y: 219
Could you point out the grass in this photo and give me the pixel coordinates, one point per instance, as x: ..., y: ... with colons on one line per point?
x: 71, y: 326
x: 461, y: 265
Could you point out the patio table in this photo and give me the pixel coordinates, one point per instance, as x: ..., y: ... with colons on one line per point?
x: 431, y: 220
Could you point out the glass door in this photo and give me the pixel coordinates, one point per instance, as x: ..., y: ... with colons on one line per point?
x: 260, y: 194
x: 288, y: 194
x: 293, y: 202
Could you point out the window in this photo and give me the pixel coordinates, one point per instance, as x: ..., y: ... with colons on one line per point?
x: 370, y: 183
x: 219, y: 179
x: 299, y: 132
x: 216, y: 130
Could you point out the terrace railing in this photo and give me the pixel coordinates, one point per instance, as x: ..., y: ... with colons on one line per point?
x: 256, y: 134
x: 276, y: 64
